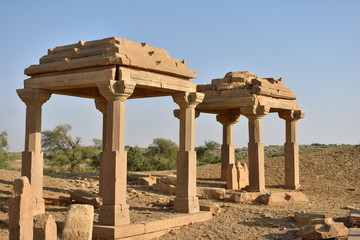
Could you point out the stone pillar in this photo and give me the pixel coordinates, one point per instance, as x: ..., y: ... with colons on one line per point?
x: 255, y: 147
x: 101, y: 105
x: 292, y: 177
x: 21, y: 211
x: 115, y: 210
x: 32, y: 157
x: 186, y: 200
x: 227, y: 147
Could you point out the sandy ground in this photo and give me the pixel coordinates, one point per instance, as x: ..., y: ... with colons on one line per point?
x: 331, y: 180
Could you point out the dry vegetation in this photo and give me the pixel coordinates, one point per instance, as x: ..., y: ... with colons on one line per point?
x: 330, y: 178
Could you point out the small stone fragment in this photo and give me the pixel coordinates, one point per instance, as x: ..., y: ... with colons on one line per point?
x: 45, y: 227
x: 147, y: 181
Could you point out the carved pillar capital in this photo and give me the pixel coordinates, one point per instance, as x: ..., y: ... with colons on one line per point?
x: 254, y: 112
x: 292, y: 115
x: 228, y: 119
x: 188, y: 99
x: 101, y: 105
x: 32, y: 96
x: 116, y: 90
x: 177, y: 113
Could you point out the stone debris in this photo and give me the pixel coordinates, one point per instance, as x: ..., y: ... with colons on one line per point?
x: 246, y: 196
x: 163, y: 187
x: 57, y: 200
x: 21, y: 210
x: 4, y: 207
x: 45, y: 227
x: 284, y: 198
x: 82, y: 196
x: 354, y: 234
x: 136, y: 176
x: 237, y: 176
x: 324, y: 228
x: 209, y: 206
x: 210, y: 193
x: 354, y: 218
x: 147, y: 181
x: 169, y: 179
x: 306, y: 218
x: 79, y: 222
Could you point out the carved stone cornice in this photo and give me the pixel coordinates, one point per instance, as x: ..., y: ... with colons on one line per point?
x: 100, y: 104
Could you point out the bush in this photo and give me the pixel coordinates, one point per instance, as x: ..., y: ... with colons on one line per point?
x: 6, y: 158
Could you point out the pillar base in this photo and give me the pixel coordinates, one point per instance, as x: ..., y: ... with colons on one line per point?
x: 114, y: 215
x: 186, y: 205
x: 293, y: 187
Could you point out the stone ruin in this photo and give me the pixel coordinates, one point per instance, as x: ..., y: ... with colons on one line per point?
x: 113, y: 70
x: 244, y: 93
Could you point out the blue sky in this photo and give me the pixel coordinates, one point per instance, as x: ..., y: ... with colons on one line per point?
x: 313, y: 45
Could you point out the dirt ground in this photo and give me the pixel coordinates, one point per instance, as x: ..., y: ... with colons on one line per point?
x: 331, y: 180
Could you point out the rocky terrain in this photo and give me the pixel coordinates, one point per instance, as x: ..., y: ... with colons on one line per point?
x: 331, y: 180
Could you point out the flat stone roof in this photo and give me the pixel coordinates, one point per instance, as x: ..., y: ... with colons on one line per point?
x: 109, y: 51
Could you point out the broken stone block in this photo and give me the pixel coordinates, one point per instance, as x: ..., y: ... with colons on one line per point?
x: 45, y: 227
x: 210, y: 207
x: 284, y: 198
x: 79, y: 222
x: 82, y: 196
x: 163, y: 187
x: 4, y: 207
x: 354, y: 218
x: 354, y: 234
x: 147, y: 181
x: 21, y: 210
x: 242, y: 174
x: 231, y: 177
x: 169, y: 179
x: 246, y: 196
x: 210, y: 193
x: 306, y: 218
x: 56, y: 200
x: 324, y: 231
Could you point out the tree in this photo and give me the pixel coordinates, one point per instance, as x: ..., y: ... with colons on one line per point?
x: 62, y: 150
x: 162, y: 154
x: 208, y: 153
x: 5, y: 157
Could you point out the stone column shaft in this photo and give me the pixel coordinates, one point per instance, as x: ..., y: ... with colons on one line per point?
x: 101, y: 105
x: 292, y: 168
x: 255, y: 147
x: 32, y: 157
x: 186, y: 200
x: 115, y: 210
x: 227, y: 147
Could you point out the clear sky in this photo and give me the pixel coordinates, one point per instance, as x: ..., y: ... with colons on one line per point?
x: 313, y: 45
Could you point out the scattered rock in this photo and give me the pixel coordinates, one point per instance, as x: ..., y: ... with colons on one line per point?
x: 284, y: 198
x: 56, y: 200
x: 169, y: 179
